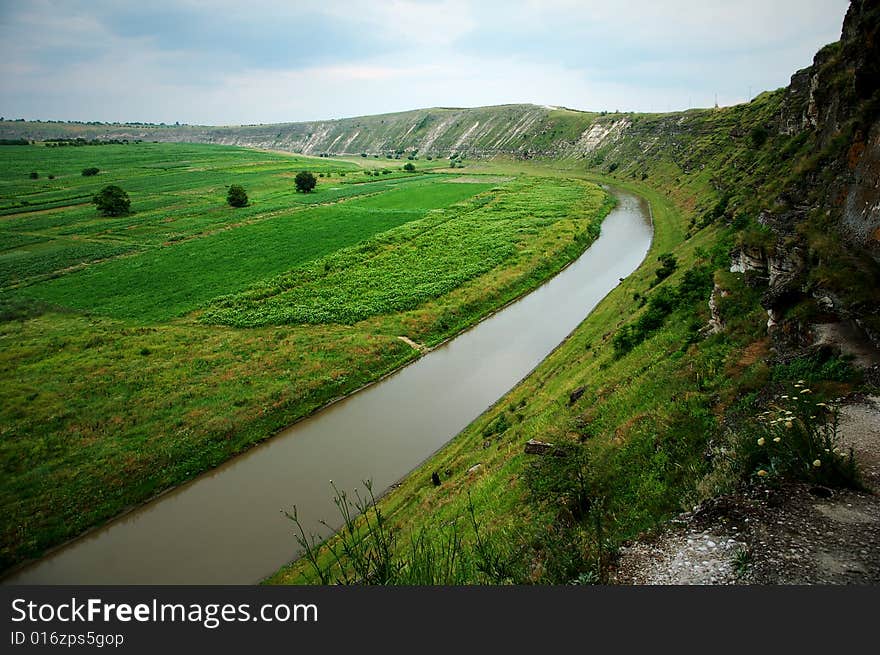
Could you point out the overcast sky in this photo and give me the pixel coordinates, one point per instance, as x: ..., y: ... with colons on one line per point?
x: 261, y: 61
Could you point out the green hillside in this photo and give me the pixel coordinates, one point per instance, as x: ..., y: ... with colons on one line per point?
x: 669, y: 393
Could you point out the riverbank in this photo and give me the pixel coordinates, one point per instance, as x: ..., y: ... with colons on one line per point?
x: 102, y: 414
x: 278, y: 470
x: 482, y: 465
x: 651, y: 428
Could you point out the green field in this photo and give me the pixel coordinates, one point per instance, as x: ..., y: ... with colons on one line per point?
x: 138, y: 351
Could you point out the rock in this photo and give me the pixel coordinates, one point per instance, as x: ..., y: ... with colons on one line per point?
x: 575, y: 395
x: 475, y: 468
x: 715, y: 323
x: 743, y: 261
x: 535, y: 447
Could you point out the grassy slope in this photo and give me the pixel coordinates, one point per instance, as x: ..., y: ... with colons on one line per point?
x: 648, y: 418
x: 100, y: 413
x: 538, y: 409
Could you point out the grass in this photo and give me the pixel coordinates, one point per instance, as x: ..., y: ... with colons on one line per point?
x: 650, y: 417
x: 117, y: 385
x: 626, y: 406
x: 169, y: 281
x: 401, y: 269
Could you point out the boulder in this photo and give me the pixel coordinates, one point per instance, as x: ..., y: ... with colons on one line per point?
x: 535, y: 447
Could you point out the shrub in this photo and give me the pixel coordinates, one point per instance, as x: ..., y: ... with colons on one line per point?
x: 305, y: 181
x: 668, y: 264
x: 409, y: 166
x: 797, y: 438
x: 112, y: 201
x: 758, y: 135
x: 34, y: 176
x: 693, y: 288
x: 236, y: 196
x: 88, y: 172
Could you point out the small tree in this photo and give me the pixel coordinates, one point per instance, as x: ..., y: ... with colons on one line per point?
x: 112, y: 201
x: 305, y: 181
x: 88, y: 172
x: 236, y: 197
x: 409, y: 166
x: 35, y: 176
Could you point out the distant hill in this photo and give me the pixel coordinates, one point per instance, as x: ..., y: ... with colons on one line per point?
x: 524, y: 130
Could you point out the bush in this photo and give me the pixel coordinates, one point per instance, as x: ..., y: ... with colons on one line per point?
x: 34, y: 176
x: 668, y: 264
x: 305, y: 181
x: 88, y: 172
x: 112, y: 201
x: 797, y: 438
x: 758, y: 135
x: 237, y: 197
x: 694, y: 288
x: 409, y: 166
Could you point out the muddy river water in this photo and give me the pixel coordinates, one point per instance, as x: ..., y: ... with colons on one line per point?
x: 227, y: 526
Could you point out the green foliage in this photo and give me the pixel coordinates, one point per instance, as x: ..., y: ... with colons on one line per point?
x: 668, y: 264
x: 112, y: 200
x: 236, y: 196
x: 758, y: 135
x: 305, y: 182
x: 821, y: 365
x: 563, y: 476
x: 694, y: 287
x: 34, y: 175
x: 90, y: 171
x: 400, y: 270
x: 796, y: 438
x: 165, y: 282
x: 366, y: 550
x: 57, y: 256
x: 409, y: 167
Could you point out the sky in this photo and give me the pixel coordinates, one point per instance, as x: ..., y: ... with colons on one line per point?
x: 229, y: 62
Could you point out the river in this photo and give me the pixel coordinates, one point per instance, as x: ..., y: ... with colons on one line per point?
x: 227, y: 525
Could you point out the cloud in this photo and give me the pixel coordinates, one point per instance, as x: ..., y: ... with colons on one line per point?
x: 225, y: 61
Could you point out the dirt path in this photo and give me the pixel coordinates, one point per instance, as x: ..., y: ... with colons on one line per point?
x: 796, y: 534
x: 413, y: 344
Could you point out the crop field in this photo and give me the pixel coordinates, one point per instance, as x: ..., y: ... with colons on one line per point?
x: 138, y: 351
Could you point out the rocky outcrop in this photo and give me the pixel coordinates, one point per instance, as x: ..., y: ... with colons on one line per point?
x: 716, y: 324
x: 836, y: 103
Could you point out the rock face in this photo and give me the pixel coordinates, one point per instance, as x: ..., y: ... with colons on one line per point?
x: 836, y: 102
